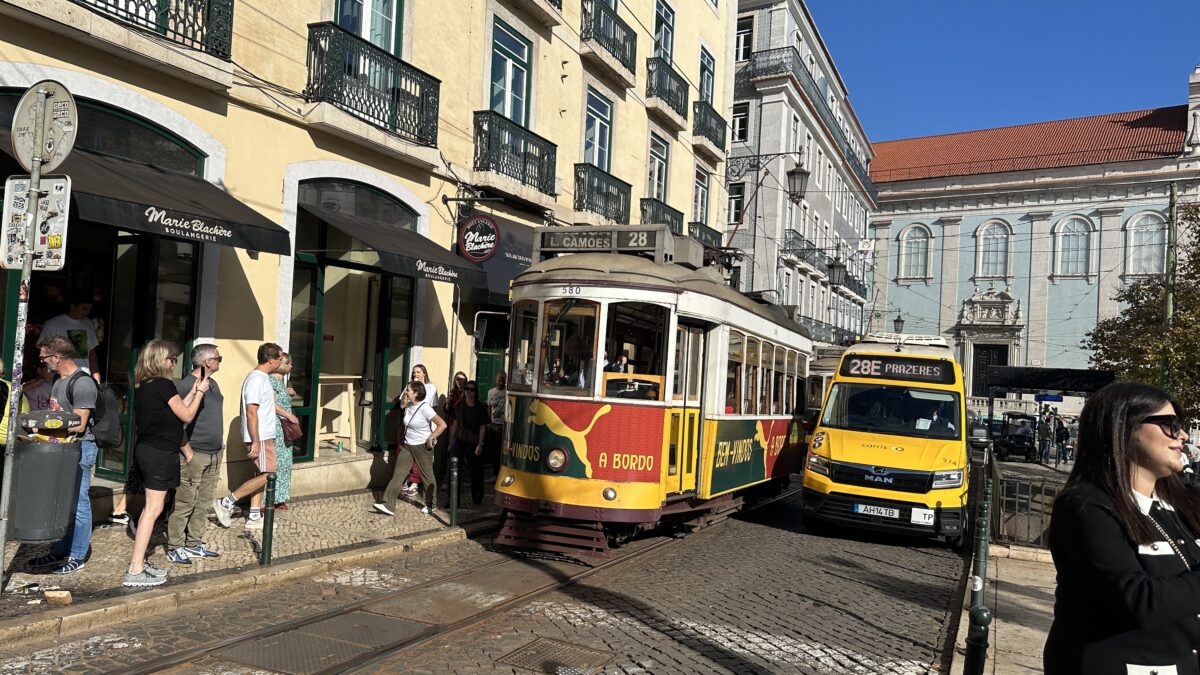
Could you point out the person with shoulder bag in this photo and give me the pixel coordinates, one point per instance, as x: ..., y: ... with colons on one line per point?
x: 422, y: 427
x: 469, y: 433
x: 1123, y: 535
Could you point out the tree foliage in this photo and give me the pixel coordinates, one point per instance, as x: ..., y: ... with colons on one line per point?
x: 1133, y: 343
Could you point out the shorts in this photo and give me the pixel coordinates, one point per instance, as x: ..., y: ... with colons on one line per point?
x: 159, y: 468
x: 265, y: 461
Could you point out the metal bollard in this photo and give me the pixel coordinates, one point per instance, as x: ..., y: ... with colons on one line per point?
x: 268, y: 520
x: 453, y: 491
x: 980, y: 616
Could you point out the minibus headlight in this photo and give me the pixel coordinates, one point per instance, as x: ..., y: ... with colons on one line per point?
x: 819, y: 464
x: 947, y: 479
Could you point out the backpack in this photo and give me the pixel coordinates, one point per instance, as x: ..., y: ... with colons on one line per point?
x: 104, y: 420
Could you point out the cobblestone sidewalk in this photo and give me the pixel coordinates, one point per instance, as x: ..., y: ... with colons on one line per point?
x: 309, y: 528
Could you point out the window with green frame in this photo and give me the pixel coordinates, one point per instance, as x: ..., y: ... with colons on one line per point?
x: 380, y: 22
x: 511, y: 73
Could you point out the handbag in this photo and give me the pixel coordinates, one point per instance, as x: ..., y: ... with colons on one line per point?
x: 291, y: 431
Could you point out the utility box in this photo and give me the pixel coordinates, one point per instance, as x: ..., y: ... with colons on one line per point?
x: 45, y: 477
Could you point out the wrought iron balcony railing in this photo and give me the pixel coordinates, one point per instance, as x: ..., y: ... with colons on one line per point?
x: 368, y: 82
x: 856, y: 285
x: 655, y: 212
x: 503, y: 146
x: 664, y: 83
x: 787, y: 61
x: 704, y: 234
x: 557, y: 4
x: 794, y: 242
x: 824, y: 332
x: 709, y: 124
x: 600, y: 192
x: 206, y: 25
x: 601, y: 23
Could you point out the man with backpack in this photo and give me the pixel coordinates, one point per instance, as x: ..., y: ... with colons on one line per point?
x: 75, y: 391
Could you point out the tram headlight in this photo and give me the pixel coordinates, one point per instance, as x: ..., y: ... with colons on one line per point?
x: 819, y: 464
x: 556, y: 459
x: 609, y: 494
x: 508, y: 480
x: 947, y: 479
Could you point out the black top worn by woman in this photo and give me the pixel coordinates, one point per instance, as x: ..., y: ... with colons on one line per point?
x: 1119, y: 607
x: 157, y: 425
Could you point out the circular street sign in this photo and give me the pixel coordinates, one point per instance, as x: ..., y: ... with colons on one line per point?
x: 478, y: 238
x: 58, y: 126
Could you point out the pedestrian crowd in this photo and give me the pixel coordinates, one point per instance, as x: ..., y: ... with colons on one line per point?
x: 1053, y: 434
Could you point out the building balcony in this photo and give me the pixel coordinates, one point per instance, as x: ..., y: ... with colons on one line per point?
x: 203, y: 25
x: 708, y: 131
x: 666, y: 93
x: 372, y: 84
x: 655, y: 212
x: 704, y: 234
x: 797, y: 245
x: 599, y: 192
x: 609, y: 43
x: 827, y: 333
x: 856, y: 286
x: 505, y: 148
x: 787, y: 62
x: 548, y: 12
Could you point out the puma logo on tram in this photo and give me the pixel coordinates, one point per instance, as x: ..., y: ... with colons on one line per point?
x: 542, y: 414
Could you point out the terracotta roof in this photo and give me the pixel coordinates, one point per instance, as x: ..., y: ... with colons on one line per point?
x: 1118, y: 137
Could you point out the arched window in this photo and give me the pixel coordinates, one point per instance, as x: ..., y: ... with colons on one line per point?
x: 1073, y: 240
x: 1147, y: 244
x: 914, y: 252
x: 992, y: 241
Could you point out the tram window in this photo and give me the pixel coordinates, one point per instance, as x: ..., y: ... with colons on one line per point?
x: 733, y: 376
x: 568, y: 346
x: 635, y: 351
x: 677, y: 383
x: 750, y: 405
x: 779, y: 395
x: 524, y: 335
x: 768, y: 378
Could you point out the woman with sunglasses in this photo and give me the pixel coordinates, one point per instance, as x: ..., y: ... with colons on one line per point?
x: 159, y: 417
x: 1123, y: 535
x: 469, y: 431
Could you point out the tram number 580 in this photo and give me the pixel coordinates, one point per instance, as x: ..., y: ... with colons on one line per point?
x: 571, y: 289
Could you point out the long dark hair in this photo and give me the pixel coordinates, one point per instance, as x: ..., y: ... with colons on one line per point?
x: 1105, y: 453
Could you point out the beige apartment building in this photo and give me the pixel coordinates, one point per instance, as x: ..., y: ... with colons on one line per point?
x: 276, y: 171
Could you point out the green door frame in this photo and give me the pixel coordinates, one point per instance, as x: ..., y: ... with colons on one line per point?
x: 309, y: 410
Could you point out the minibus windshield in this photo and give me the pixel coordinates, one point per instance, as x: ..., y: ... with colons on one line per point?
x: 893, y: 409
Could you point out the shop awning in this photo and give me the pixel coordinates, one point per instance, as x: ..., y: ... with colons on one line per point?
x: 403, y: 251
x: 138, y: 197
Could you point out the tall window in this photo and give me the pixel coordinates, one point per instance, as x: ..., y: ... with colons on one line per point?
x: 1147, y: 245
x: 597, y: 130
x: 659, y: 163
x: 510, y: 73
x: 708, y: 75
x: 818, y: 174
x: 1074, y: 244
x: 664, y: 30
x: 795, y: 138
x: 700, y: 197
x: 377, y: 21
x: 993, y: 240
x: 737, y: 201
x: 741, y: 122
x: 914, y: 253
x: 743, y: 45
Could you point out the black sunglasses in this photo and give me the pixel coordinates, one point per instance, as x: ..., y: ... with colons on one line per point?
x: 1169, y: 424
x: 472, y: 389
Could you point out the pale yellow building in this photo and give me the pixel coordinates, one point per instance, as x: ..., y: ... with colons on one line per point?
x: 318, y: 138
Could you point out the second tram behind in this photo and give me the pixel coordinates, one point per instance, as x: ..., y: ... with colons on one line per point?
x: 641, y: 392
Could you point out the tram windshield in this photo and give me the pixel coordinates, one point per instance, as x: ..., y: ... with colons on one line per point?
x: 524, y: 339
x: 568, y: 346
x: 895, y: 410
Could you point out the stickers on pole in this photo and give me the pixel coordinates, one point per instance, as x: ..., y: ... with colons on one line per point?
x: 50, y: 238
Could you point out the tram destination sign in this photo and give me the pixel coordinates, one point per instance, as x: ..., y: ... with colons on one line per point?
x: 560, y: 240
x: 904, y: 368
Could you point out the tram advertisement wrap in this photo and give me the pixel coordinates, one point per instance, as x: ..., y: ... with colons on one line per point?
x: 749, y: 451
x: 602, y: 441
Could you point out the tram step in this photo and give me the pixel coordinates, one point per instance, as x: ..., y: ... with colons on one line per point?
x: 557, y: 536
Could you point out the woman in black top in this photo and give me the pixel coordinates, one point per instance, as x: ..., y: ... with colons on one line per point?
x: 468, y: 428
x: 159, y: 415
x: 1124, y: 539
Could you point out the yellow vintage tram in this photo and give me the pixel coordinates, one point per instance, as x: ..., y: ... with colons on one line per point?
x: 641, y: 391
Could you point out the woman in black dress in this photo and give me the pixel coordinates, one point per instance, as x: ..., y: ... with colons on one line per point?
x: 159, y: 417
x: 1124, y: 539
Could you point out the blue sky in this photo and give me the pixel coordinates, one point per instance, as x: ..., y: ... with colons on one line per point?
x: 925, y: 67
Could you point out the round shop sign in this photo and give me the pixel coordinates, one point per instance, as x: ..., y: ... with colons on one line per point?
x: 478, y: 238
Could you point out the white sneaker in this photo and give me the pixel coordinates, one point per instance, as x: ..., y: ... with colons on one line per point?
x: 409, y: 490
x: 254, y: 523
x: 382, y: 508
x: 426, y: 509
x: 223, y: 513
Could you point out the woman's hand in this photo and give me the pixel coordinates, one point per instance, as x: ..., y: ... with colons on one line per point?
x: 188, y: 453
x: 430, y: 442
x: 293, y: 419
x: 291, y: 392
x: 479, y: 450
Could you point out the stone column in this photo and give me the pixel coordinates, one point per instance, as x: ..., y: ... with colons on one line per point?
x: 948, y: 298
x: 881, y: 231
x: 1112, y: 260
x: 1039, y: 286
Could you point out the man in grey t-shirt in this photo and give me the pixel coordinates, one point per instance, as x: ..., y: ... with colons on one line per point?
x: 198, y: 478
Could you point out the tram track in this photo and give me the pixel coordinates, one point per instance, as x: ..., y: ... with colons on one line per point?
x: 557, y: 568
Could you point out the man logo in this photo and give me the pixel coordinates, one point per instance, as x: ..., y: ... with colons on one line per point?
x: 879, y: 470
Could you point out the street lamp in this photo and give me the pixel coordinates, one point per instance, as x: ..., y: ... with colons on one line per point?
x: 898, y: 323
x: 837, y: 272
x: 797, y: 178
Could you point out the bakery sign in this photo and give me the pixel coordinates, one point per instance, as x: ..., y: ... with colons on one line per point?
x: 478, y: 238
x: 186, y: 226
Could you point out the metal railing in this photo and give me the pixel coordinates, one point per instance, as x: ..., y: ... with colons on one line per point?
x: 503, y: 146
x: 206, y: 25
x: 368, y: 82
x: 704, y: 234
x: 655, y: 212
x: 601, y: 192
x: 787, y: 61
x: 1021, y: 509
x: 824, y: 332
x: 557, y: 4
x: 857, y: 286
x: 666, y: 84
x: 794, y: 242
x: 601, y: 23
x: 709, y: 124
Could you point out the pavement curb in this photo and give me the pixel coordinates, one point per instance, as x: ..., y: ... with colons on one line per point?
x: 958, y: 658
x: 1028, y: 553
x: 70, y: 621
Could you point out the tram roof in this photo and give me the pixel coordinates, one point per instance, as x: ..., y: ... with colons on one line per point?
x: 638, y: 272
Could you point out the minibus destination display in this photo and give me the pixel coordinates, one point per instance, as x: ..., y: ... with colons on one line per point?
x: 898, y: 368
